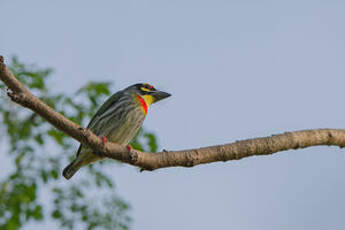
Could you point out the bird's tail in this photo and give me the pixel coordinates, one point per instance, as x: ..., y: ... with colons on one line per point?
x: 70, y: 170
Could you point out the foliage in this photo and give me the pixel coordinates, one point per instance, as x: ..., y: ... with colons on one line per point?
x: 34, y: 190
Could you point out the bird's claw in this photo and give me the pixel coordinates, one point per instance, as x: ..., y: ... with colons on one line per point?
x: 165, y: 151
x: 104, y: 139
x: 129, y: 147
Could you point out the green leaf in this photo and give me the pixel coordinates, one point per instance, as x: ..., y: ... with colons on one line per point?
x: 39, y: 139
x: 54, y: 174
x: 37, y: 212
x: 56, y: 214
x: 152, y: 141
x: 57, y: 135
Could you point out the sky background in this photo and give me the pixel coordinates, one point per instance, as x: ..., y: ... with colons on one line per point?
x: 236, y: 70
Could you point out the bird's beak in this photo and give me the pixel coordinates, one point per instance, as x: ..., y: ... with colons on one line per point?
x: 159, y: 95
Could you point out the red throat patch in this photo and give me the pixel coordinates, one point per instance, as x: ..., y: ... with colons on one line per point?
x: 142, y: 103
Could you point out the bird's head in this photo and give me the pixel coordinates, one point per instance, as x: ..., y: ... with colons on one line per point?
x: 146, y: 94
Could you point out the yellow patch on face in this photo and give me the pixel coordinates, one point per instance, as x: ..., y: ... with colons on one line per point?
x: 145, y: 89
x: 148, y: 99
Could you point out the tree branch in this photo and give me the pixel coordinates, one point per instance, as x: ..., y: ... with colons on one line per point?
x: 185, y: 158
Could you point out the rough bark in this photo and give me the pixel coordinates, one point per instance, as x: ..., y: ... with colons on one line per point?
x: 185, y: 158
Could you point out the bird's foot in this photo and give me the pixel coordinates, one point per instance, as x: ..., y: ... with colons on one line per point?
x: 104, y: 139
x: 165, y: 151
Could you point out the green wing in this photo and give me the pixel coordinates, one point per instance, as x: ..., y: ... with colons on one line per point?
x: 107, y: 104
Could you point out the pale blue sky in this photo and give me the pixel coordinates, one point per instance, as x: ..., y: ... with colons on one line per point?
x: 236, y: 69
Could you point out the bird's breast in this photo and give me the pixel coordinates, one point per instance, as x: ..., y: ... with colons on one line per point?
x: 130, y: 125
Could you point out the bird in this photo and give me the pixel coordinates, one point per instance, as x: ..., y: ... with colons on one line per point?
x: 117, y: 120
